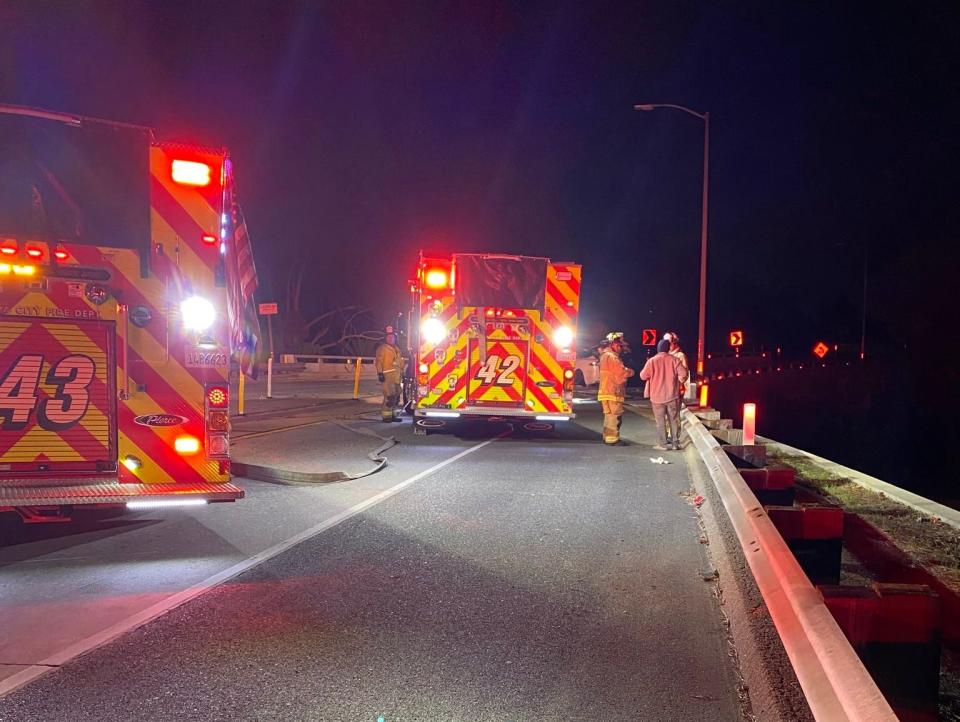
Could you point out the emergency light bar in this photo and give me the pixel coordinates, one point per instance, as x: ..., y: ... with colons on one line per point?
x: 190, y: 173
x: 436, y: 278
x: 17, y: 270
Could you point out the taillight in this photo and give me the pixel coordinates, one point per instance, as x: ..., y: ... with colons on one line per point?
x: 35, y: 253
x: 218, y: 421
x: 9, y: 248
x: 61, y: 253
x: 219, y: 445
x: 209, y: 239
x: 186, y: 445
x: 190, y: 173
x: 568, y: 377
x: 218, y: 397
x: 217, y: 427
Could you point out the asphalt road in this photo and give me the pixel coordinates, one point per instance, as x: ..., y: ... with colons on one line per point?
x: 535, y: 578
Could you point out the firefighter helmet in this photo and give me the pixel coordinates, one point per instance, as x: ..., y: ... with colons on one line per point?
x: 616, y: 337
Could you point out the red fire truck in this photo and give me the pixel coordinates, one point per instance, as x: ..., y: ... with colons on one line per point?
x: 114, y: 352
x: 495, y: 337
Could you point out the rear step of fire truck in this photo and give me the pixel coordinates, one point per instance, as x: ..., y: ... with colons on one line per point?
x: 51, y: 502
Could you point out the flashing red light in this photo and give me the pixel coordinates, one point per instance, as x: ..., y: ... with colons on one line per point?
x: 61, y: 254
x: 209, y: 239
x: 186, y: 445
x: 190, y: 173
x: 35, y: 253
x: 436, y: 278
x: 217, y: 397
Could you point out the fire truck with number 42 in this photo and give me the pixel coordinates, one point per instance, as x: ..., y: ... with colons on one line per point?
x: 115, y: 261
x: 494, y: 337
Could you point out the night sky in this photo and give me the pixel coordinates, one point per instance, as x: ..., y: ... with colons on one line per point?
x: 363, y: 132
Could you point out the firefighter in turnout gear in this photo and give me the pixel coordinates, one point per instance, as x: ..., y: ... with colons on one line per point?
x: 613, y: 386
x: 389, y: 364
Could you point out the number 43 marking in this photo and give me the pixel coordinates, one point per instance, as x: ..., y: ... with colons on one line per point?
x: 70, y: 376
x: 504, y: 374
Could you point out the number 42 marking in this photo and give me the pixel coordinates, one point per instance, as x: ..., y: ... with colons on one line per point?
x: 504, y: 374
x: 70, y: 377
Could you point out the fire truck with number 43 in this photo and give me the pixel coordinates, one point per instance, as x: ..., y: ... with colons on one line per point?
x: 115, y: 262
x: 494, y: 337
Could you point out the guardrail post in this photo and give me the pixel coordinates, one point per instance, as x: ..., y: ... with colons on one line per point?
x: 356, y: 379
x: 241, y: 384
x: 771, y: 485
x: 814, y: 533
x: 270, y: 376
x: 895, y: 629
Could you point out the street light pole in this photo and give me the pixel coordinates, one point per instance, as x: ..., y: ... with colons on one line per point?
x: 702, y: 322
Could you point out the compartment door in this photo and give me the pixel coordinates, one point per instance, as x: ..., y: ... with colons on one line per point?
x: 497, y: 377
x: 57, y: 396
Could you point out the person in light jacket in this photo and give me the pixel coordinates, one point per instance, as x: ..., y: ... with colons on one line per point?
x: 664, y: 374
x: 678, y: 353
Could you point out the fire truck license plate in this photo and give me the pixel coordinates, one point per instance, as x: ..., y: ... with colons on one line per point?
x: 206, y: 360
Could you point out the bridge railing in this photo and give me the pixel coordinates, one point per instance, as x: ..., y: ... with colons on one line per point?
x: 835, y: 683
x: 332, y: 367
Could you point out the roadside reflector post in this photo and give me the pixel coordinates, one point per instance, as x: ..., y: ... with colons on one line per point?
x: 749, y: 424
x: 356, y: 380
x: 241, y: 385
x: 270, y: 376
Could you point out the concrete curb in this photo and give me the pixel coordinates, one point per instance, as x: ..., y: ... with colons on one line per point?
x: 834, y: 680
x: 907, y: 498
x: 288, y: 477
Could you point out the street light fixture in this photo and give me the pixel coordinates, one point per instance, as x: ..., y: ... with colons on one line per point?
x: 705, y: 117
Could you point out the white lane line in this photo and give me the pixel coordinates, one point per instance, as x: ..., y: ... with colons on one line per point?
x: 87, y: 644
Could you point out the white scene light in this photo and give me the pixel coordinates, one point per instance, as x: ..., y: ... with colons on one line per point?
x: 433, y: 331
x: 198, y: 313
x: 563, y: 337
x: 158, y: 503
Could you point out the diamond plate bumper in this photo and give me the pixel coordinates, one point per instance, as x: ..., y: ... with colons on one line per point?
x: 113, y: 493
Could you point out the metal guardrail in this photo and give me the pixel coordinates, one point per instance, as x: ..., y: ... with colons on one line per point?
x: 834, y: 681
x: 299, y: 358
